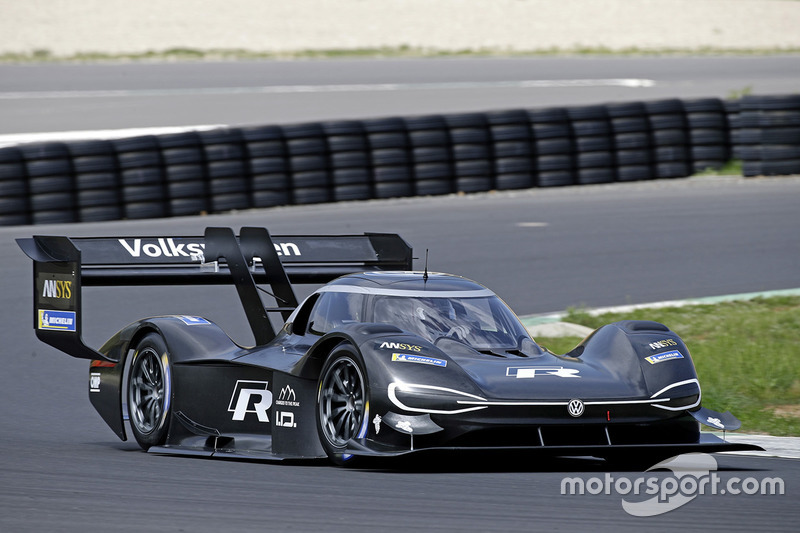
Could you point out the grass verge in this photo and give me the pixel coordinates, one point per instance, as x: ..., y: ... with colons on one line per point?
x: 747, y: 355
x: 196, y: 54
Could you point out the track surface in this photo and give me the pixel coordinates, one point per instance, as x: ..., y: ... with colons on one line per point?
x: 42, y: 98
x: 62, y: 469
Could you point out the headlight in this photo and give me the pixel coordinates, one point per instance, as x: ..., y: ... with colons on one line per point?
x: 431, y: 399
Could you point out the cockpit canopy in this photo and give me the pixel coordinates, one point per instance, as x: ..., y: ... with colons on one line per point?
x: 473, y: 315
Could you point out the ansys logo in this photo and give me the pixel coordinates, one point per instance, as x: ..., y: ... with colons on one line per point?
x: 57, y: 288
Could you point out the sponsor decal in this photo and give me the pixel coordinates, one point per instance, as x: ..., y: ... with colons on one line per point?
x: 715, y: 422
x: 193, y: 320
x: 57, y: 320
x: 405, y: 425
x: 94, y: 382
x: 413, y: 358
x: 285, y: 419
x: 665, y: 343
x: 250, y: 397
x: 666, y: 356
x: 531, y: 372
x: 287, y: 397
x: 401, y: 346
x: 575, y: 407
x: 194, y: 251
x: 377, y: 423
x: 58, y: 289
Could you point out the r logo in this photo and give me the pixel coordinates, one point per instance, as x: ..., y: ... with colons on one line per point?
x: 250, y: 397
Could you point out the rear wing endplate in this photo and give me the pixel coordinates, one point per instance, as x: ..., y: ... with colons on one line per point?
x: 62, y: 265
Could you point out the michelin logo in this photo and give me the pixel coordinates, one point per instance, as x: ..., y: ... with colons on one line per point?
x: 56, y: 320
x: 666, y: 356
x: 413, y: 358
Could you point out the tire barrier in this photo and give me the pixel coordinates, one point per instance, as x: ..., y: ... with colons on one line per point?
x: 769, y: 135
x: 227, y: 169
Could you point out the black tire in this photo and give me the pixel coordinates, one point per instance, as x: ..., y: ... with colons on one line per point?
x: 512, y: 149
x: 433, y: 187
x: 141, y: 210
x: 514, y: 181
x: 13, y: 204
x: 469, y: 136
x: 389, y: 156
x: 590, y: 128
x: 556, y: 146
x: 267, y: 198
x: 511, y: 132
x: 221, y: 203
x: 311, y: 195
x: 595, y: 159
x: 349, y: 160
x: 14, y: 219
x: 149, y: 391
x: 13, y: 187
x: 389, y: 139
x: 58, y: 216
x: 352, y: 192
x: 598, y: 143
x: 351, y: 176
x: 342, y: 402
x: 588, y: 176
x: 187, y: 206
x: 99, y: 213
x: 397, y: 189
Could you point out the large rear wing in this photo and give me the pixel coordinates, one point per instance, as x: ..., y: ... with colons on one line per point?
x: 62, y: 265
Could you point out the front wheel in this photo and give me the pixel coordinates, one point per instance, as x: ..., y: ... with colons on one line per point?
x: 149, y: 391
x: 342, y: 405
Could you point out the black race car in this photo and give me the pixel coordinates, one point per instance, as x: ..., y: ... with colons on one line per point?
x: 380, y: 361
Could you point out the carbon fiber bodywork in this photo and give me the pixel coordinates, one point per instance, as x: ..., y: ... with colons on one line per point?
x: 629, y: 388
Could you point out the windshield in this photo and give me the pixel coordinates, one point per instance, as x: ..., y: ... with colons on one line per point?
x: 484, y: 323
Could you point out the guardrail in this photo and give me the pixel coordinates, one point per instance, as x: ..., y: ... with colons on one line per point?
x: 226, y: 169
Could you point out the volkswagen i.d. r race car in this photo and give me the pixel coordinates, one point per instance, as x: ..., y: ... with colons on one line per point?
x: 380, y: 361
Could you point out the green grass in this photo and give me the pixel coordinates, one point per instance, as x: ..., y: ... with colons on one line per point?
x: 193, y: 54
x: 731, y: 168
x: 747, y: 355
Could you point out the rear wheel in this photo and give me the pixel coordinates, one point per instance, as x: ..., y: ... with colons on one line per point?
x: 342, y: 404
x: 149, y: 390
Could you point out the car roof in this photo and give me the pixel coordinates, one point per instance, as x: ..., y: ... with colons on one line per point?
x: 407, y: 281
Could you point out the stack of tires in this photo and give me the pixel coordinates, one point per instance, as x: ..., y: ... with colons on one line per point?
x: 141, y: 177
x: 551, y: 133
x: 429, y: 148
x: 14, y: 207
x: 309, y: 168
x: 267, y: 166
x: 511, y: 146
x: 594, y: 144
x: 227, y: 169
x: 387, y: 148
x: 770, y: 135
x: 471, y: 153
x: 97, y: 180
x: 669, y: 133
x: 633, y: 149
x: 228, y: 179
x: 185, y: 173
x: 351, y: 177
x: 709, y: 133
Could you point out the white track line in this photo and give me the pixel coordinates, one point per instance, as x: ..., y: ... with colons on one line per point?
x: 362, y: 87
